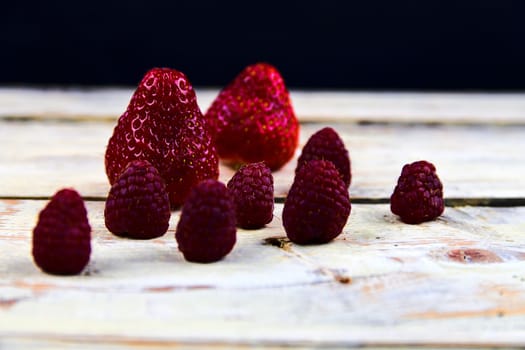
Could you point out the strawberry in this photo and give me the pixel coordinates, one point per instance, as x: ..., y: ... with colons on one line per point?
x: 206, y: 230
x: 327, y: 144
x: 62, y: 236
x: 164, y: 125
x: 252, y: 119
x: 317, y: 206
x: 138, y: 205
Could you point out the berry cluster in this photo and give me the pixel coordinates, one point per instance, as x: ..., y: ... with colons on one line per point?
x: 164, y: 154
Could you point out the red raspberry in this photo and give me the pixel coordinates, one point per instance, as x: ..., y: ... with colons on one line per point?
x: 326, y: 144
x: 252, y: 119
x: 206, y: 231
x: 418, y: 196
x: 252, y: 190
x: 318, y: 204
x: 62, y: 236
x: 138, y: 205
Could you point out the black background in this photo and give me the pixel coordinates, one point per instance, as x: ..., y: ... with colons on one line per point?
x: 410, y: 45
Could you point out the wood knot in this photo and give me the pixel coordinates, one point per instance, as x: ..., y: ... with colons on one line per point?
x: 278, y: 241
x: 7, y: 303
x: 467, y: 256
x: 343, y: 279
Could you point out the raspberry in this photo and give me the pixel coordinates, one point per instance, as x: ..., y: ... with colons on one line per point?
x: 138, y: 205
x: 418, y: 196
x: 252, y: 190
x: 206, y: 231
x: 326, y: 144
x: 62, y: 236
x: 318, y: 204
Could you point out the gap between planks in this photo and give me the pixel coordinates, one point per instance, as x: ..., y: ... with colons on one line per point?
x: 97, y: 342
x: 449, y: 202
x: 317, y: 119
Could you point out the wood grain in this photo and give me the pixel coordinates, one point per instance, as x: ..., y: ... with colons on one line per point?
x: 456, y: 282
x: 332, y: 106
x: 38, y: 158
x: 400, y: 282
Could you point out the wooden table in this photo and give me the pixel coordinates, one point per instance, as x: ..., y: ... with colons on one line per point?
x: 458, y: 281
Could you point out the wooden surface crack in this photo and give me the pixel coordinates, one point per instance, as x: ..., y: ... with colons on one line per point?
x: 449, y: 202
x: 285, y: 244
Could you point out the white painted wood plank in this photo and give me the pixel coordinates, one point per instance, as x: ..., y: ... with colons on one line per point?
x: 126, y: 265
x: 382, y: 283
x: 472, y: 162
x: 347, y: 106
x: 410, y: 107
x: 37, y: 158
x: 402, y: 282
x: 57, y: 103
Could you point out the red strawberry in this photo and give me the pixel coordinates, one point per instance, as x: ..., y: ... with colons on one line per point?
x: 418, y: 196
x: 252, y: 190
x: 253, y: 119
x: 62, y: 236
x: 318, y: 204
x: 164, y: 126
x: 206, y: 231
x: 138, y: 205
x: 326, y: 144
